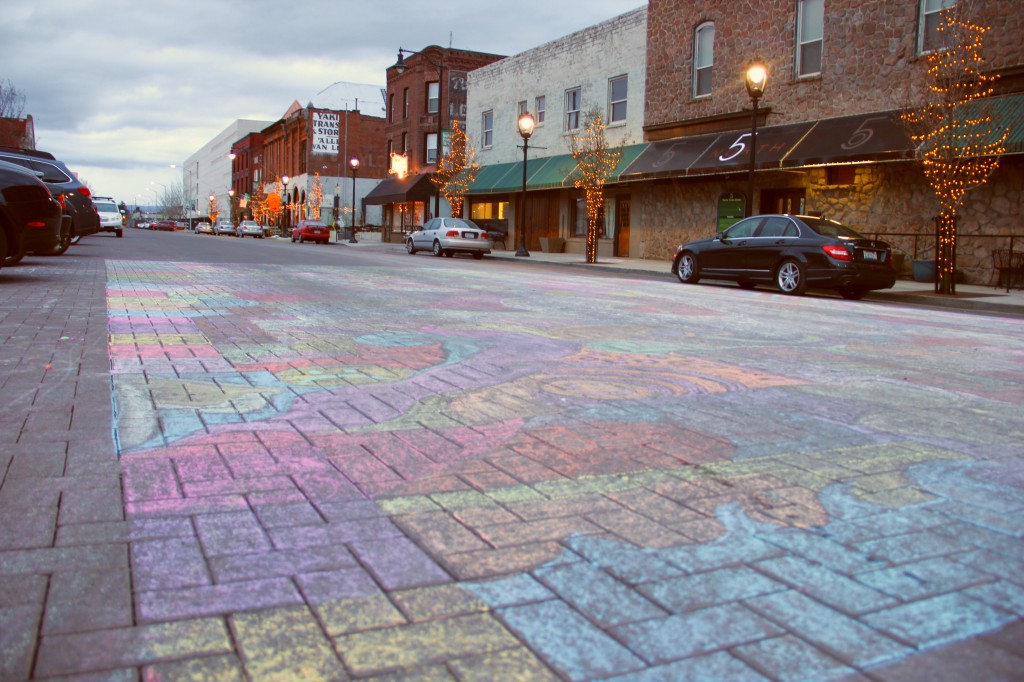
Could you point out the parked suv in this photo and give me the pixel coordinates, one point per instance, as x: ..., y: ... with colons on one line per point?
x: 72, y: 195
x: 110, y: 215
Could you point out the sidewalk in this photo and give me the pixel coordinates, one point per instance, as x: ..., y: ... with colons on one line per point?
x: 969, y: 297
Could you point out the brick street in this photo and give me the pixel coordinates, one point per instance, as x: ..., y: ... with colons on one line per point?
x: 442, y: 470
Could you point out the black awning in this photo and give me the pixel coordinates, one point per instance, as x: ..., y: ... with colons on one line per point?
x: 399, y: 191
x: 669, y: 157
x: 731, y: 151
x: 879, y: 136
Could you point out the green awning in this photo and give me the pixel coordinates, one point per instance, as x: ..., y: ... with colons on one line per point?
x: 551, y: 172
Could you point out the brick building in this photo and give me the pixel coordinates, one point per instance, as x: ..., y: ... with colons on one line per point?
x: 830, y: 139
x: 18, y: 132
x: 426, y: 93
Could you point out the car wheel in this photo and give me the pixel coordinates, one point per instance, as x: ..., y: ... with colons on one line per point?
x: 478, y: 255
x: 438, y: 251
x: 76, y: 238
x: 62, y: 246
x: 853, y: 293
x: 293, y: 239
x: 790, y: 278
x: 687, y: 270
x: 409, y: 248
x: 302, y: 240
x: 118, y: 233
x: 3, y: 246
x: 14, y: 257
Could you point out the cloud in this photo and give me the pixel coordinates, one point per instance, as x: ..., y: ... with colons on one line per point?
x: 124, y: 90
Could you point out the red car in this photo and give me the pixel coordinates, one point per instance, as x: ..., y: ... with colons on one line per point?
x: 311, y: 231
x: 164, y: 225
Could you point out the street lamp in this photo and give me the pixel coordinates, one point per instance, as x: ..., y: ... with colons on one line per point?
x: 400, y: 68
x: 231, y: 205
x: 353, y: 163
x: 756, y: 79
x: 284, y: 204
x: 526, y: 124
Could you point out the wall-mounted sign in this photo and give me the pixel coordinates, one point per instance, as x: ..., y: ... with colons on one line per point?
x: 730, y: 210
x: 399, y: 165
x: 325, y: 132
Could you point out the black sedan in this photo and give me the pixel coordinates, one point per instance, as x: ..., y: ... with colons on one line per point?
x: 795, y: 252
x: 29, y: 217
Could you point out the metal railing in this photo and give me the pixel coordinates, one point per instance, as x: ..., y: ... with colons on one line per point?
x: 977, y: 261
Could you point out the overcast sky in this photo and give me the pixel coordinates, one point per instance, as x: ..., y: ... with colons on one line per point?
x: 121, y: 89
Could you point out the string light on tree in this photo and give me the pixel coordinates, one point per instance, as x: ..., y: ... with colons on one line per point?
x: 595, y: 163
x: 958, y: 142
x: 456, y: 170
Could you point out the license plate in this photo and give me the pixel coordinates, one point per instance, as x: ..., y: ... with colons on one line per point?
x: 870, y: 255
x: 469, y: 235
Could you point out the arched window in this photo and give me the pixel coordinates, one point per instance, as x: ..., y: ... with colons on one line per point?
x: 703, y: 58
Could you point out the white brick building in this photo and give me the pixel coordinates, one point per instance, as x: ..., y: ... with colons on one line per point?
x: 602, y: 67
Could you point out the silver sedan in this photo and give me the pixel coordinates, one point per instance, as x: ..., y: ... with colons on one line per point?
x: 448, y: 236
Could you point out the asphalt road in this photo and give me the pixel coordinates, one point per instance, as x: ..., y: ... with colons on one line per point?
x: 249, y: 459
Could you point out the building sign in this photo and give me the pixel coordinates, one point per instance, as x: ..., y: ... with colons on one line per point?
x: 399, y: 165
x: 325, y: 132
x: 457, y: 96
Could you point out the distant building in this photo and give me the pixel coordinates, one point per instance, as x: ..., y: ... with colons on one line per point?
x: 320, y: 140
x: 207, y: 172
x: 18, y: 132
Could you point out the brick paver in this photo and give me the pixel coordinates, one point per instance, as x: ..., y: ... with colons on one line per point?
x: 214, y: 471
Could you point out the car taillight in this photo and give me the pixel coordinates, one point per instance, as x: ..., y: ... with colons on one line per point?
x: 451, y: 233
x: 62, y: 201
x: 837, y: 251
x: 36, y: 223
x: 84, y: 191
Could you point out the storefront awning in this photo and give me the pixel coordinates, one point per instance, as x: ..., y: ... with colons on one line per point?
x: 399, y: 191
x: 551, y: 172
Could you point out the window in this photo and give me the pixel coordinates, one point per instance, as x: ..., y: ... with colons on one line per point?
x: 405, y: 143
x: 391, y: 108
x: 617, y: 89
x: 433, y: 90
x: 579, y: 219
x: 391, y: 150
x: 431, y: 147
x: 405, y: 103
x: 539, y: 105
x: 572, y: 109
x: 521, y: 109
x: 809, y: 33
x: 929, y: 38
x: 703, y: 58
x: 488, y: 128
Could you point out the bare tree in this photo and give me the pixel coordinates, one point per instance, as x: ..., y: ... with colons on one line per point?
x: 595, y: 161
x: 12, y: 101
x: 958, y: 142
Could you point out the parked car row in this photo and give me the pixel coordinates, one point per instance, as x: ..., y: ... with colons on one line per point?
x: 26, y: 226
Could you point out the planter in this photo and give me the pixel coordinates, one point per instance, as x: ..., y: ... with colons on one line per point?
x: 923, y: 270
x: 552, y: 244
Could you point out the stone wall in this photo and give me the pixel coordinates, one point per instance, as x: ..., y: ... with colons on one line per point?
x: 890, y: 200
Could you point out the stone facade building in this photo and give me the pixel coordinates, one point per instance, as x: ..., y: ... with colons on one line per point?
x: 829, y: 63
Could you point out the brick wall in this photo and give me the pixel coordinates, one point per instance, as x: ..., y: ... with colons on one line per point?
x: 870, y: 60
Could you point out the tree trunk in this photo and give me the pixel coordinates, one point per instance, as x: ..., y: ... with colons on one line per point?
x: 945, y: 253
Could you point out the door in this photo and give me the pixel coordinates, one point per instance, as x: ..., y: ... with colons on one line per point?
x: 622, y: 227
x: 783, y: 201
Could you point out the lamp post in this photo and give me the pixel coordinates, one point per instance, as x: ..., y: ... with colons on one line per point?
x: 756, y: 80
x: 284, y: 204
x: 231, y: 205
x: 526, y: 124
x: 353, y: 163
x: 400, y: 67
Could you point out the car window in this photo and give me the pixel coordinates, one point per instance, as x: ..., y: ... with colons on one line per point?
x: 742, y: 229
x: 106, y: 207
x: 461, y: 222
x: 777, y: 227
x: 830, y: 228
x: 431, y: 224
